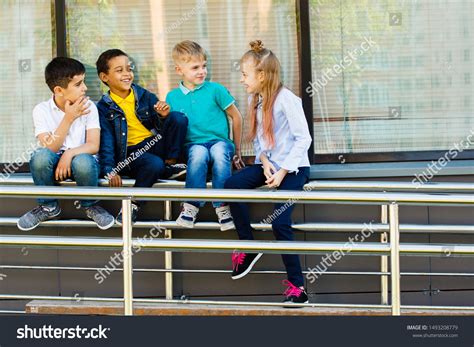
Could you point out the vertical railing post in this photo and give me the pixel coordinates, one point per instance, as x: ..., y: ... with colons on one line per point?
x: 127, y: 257
x: 384, y: 259
x: 168, y: 255
x: 395, y: 258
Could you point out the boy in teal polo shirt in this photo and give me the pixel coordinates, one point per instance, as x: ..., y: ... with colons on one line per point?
x: 207, y: 106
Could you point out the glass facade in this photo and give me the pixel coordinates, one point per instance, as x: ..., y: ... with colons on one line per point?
x: 223, y: 28
x: 387, y: 75
x: 391, y: 75
x: 26, y: 46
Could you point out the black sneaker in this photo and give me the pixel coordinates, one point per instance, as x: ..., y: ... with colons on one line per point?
x: 33, y: 218
x: 100, y: 216
x: 294, y: 294
x: 242, y: 263
x: 176, y: 172
x: 135, y: 210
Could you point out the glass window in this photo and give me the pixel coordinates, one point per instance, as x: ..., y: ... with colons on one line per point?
x: 25, y: 48
x: 395, y: 80
x: 148, y: 30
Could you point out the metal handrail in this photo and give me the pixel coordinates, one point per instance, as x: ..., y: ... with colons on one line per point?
x: 126, y: 194
x: 303, y: 227
x: 312, y: 185
x: 232, y: 195
x: 214, y: 271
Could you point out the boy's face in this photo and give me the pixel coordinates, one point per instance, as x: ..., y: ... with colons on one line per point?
x: 194, y: 71
x: 75, y: 89
x: 120, y: 75
x: 251, y: 78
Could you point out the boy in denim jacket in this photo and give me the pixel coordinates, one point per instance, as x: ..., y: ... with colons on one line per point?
x: 140, y: 137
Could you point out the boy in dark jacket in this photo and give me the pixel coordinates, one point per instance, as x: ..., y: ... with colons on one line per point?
x: 140, y: 137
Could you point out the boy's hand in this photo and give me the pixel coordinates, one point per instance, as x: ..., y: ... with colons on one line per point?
x: 63, y: 170
x: 115, y: 180
x: 77, y: 109
x: 276, y: 179
x: 162, y: 108
x: 237, y: 161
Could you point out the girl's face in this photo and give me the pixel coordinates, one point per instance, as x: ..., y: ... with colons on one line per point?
x: 250, y: 77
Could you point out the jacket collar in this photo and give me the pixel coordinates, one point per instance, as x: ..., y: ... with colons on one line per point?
x: 137, y: 91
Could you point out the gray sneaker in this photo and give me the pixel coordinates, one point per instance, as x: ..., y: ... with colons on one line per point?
x: 33, y: 218
x: 100, y: 216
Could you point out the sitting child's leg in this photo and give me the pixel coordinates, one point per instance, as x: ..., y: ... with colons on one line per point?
x: 221, y: 154
x: 174, y: 130
x: 169, y: 146
x: 283, y: 231
x: 146, y: 169
x: 42, y: 165
x: 198, y: 162
x: 85, y: 171
x: 249, y: 178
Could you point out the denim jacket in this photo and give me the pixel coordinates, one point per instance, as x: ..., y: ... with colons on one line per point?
x: 113, y: 139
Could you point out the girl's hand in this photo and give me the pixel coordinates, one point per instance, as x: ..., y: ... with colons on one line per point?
x: 162, y: 108
x: 276, y: 179
x: 268, y: 169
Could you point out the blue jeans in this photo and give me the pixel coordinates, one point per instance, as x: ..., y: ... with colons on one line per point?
x: 84, y: 167
x: 218, y: 155
x: 253, y: 177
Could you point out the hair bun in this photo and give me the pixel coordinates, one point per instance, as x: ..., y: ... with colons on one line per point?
x: 256, y: 46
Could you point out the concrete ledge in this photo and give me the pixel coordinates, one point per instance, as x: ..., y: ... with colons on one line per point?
x: 391, y: 169
x: 148, y: 309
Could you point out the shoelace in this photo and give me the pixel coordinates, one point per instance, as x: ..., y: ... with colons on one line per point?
x: 237, y: 259
x: 188, y: 211
x: 292, y: 290
x: 225, y: 214
x: 134, y: 208
x: 39, y: 209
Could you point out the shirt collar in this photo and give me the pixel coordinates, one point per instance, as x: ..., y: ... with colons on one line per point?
x: 53, y: 105
x: 186, y: 91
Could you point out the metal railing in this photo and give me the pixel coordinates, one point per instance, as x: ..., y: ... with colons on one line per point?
x: 392, y: 248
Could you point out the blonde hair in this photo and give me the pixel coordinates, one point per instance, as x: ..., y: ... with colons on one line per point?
x: 267, y: 62
x: 186, y: 50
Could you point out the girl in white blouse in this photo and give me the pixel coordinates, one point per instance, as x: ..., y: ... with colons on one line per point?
x: 281, y: 139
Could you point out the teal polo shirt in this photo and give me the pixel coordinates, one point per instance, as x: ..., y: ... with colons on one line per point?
x: 205, y: 109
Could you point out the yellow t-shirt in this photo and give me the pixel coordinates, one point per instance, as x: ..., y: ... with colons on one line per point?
x: 136, y: 130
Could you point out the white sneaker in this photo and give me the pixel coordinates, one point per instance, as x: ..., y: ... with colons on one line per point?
x: 188, y: 214
x: 225, y: 218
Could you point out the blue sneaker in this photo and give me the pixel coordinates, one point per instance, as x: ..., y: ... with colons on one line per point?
x: 135, y: 210
x: 175, y: 172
